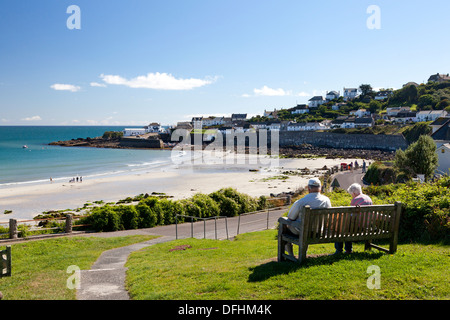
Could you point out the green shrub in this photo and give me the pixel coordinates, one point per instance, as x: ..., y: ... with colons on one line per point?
x: 170, y: 209
x: 147, y: 217
x: 208, y: 207
x: 129, y: 216
x: 104, y: 219
x: 153, y: 203
x: 426, y: 208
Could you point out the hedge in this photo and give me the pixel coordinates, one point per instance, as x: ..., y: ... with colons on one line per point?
x: 154, y: 211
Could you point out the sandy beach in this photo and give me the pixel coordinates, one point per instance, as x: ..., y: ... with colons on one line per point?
x: 251, y: 174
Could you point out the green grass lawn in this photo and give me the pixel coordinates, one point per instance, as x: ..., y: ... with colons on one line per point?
x: 246, y: 268
x: 39, y: 267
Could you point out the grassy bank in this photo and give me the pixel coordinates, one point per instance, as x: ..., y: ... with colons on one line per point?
x: 246, y: 268
x: 39, y: 267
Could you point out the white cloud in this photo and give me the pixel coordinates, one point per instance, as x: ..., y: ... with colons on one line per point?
x: 159, y: 81
x: 34, y: 118
x: 96, y: 84
x: 65, y: 87
x: 266, y: 91
x: 270, y: 92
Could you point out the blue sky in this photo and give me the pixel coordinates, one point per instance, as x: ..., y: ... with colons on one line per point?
x: 139, y: 61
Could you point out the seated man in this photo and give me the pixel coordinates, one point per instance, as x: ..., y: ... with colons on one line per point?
x: 358, y: 199
x: 314, y: 199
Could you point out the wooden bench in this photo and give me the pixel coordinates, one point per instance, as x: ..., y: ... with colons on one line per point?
x: 5, y: 262
x: 340, y: 224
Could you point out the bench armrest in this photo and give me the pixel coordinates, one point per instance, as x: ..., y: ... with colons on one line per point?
x: 294, y: 223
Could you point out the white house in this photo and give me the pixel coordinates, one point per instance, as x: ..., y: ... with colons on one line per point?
x: 332, y: 95
x: 444, y: 159
x: 271, y: 114
x: 130, y: 132
x: 364, y: 122
x: 393, y: 111
x: 274, y: 126
x: 316, y: 101
x: 404, y: 117
x: 300, y: 109
x: 259, y: 125
x: 153, y: 127
x: 349, y: 123
x: 350, y: 93
x: 197, y: 121
x: 295, y: 126
x: 360, y: 113
x: 430, y: 115
x: 383, y: 94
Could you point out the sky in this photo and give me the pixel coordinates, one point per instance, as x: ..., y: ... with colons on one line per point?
x: 132, y: 62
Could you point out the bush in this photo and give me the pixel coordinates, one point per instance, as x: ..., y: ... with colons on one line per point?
x: 155, y: 206
x: 426, y: 214
x: 147, y: 217
x: 104, y: 219
x: 378, y: 174
x: 208, y: 207
x: 129, y: 216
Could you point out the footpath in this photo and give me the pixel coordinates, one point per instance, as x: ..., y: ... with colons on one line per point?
x: 106, y: 278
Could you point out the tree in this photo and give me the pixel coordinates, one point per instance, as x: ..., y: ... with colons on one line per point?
x: 427, y: 100
x: 366, y: 89
x: 375, y: 106
x: 419, y: 158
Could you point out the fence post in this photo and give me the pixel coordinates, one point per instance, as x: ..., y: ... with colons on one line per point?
x: 13, y: 229
x: 288, y: 200
x: 69, y: 223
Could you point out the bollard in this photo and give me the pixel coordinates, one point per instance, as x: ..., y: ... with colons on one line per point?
x: 69, y: 223
x: 13, y: 229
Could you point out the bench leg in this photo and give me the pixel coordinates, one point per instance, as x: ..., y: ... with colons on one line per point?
x: 367, y: 245
x: 302, y: 248
x: 281, y: 244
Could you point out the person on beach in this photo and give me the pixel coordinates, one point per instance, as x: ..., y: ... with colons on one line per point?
x: 314, y: 199
x: 358, y: 199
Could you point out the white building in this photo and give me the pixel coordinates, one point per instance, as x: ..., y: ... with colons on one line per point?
x: 274, y: 126
x: 383, y: 95
x: 332, y: 95
x: 364, y: 122
x: 132, y: 132
x: 430, y: 115
x: 153, y: 128
x: 300, y: 109
x: 350, y: 93
x: 360, y: 113
x: 316, y: 101
x: 444, y: 159
x: 393, y: 111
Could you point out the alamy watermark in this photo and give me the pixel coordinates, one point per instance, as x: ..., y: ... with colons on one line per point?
x: 74, y: 20
x: 374, y: 281
x: 374, y: 20
x: 213, y: 147
x: 74, y: 280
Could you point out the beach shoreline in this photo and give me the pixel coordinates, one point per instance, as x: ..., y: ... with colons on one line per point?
x: 250, y: 174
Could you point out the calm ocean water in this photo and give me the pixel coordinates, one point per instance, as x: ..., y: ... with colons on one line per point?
x: 39, y: 161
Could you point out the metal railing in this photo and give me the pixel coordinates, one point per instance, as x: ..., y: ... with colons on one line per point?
x: 204, y: 224
x: 267, y: 211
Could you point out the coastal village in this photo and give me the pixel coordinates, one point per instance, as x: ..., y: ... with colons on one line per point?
x: 357, y: 110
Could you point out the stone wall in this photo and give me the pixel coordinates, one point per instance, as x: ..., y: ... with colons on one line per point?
x: 343, y: 141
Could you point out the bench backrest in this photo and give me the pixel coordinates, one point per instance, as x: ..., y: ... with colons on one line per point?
x: 5, y: 262
x: 351, y: 223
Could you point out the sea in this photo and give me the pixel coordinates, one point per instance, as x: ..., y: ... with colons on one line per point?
x: 26, y: 156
